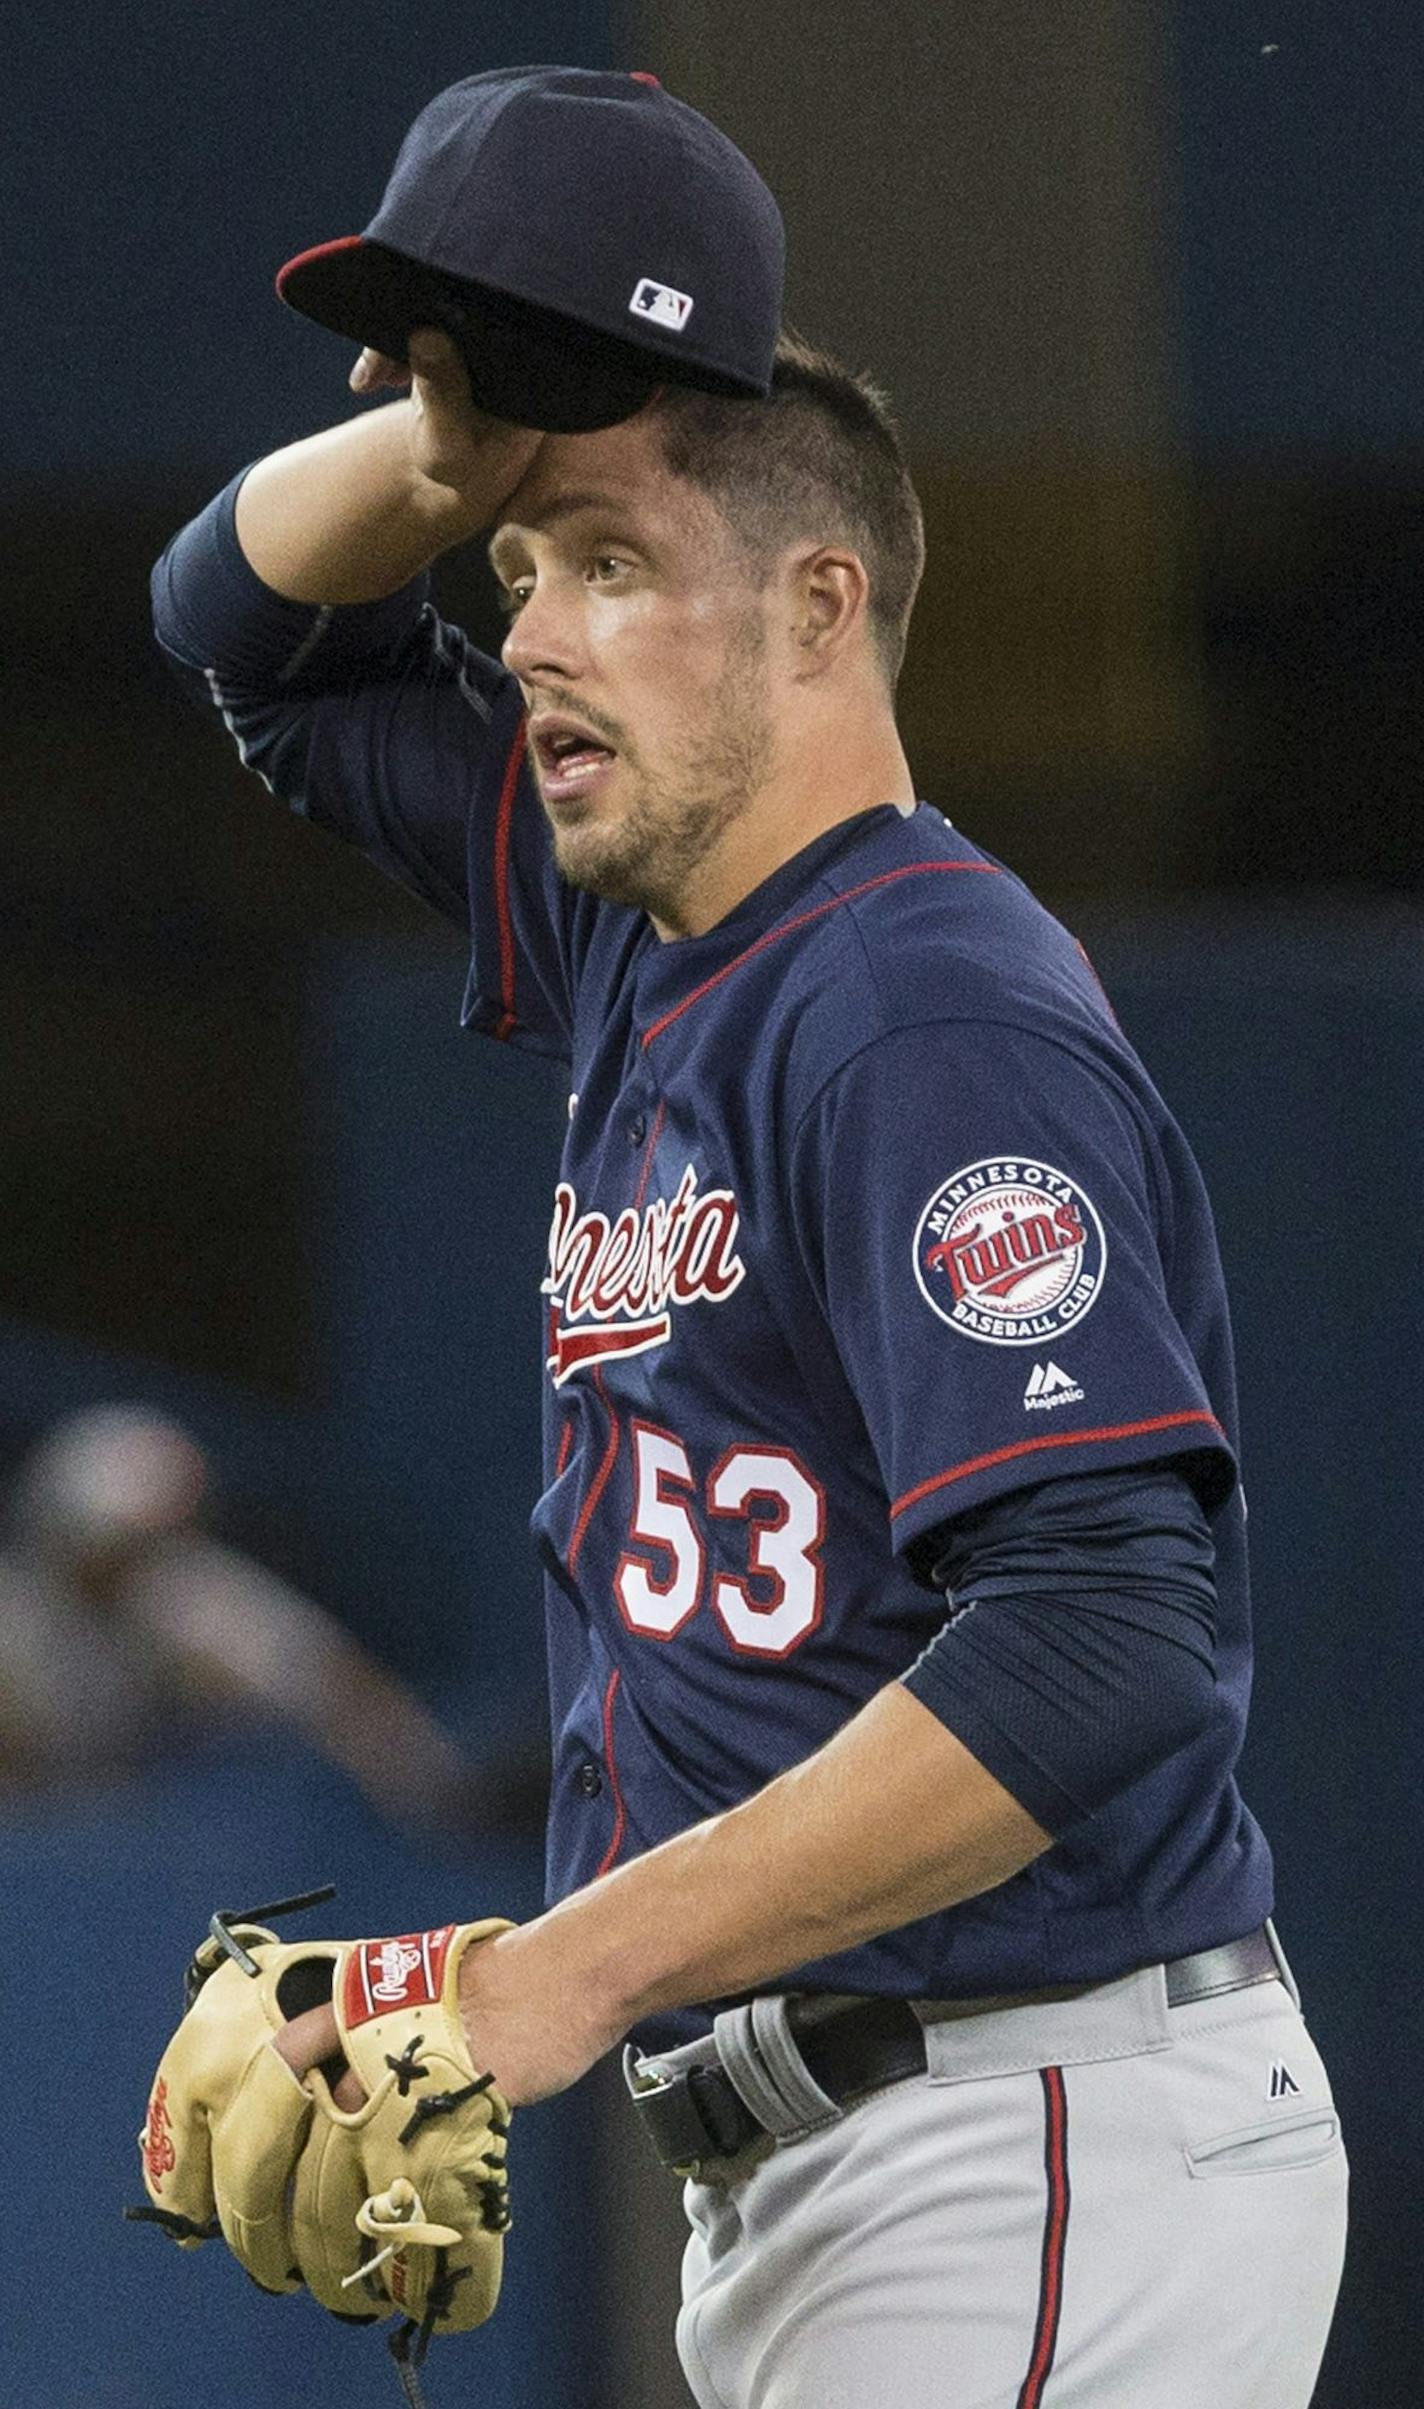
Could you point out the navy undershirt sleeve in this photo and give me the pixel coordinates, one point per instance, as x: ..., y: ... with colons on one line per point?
x: 387, y: 726
x: 364, y: 717
x: 1079, y: 1650
x: 211, y: 607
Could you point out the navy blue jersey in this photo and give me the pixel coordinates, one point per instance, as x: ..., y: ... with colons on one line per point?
x: 868, y: 1213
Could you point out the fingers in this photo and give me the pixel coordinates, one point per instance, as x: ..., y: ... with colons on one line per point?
x: 442, y: 382
x: 305, y: 2040
x: 312, y: 2039
x: 374, y: 369
x: 433, y: 357
x: 453, y: 442
x: 347, y: 2093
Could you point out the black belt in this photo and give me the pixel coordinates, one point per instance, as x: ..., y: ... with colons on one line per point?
x: 863, y: 2044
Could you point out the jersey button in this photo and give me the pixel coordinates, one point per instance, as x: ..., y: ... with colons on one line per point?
x: 637, y: 1129
x: 590, y: 1780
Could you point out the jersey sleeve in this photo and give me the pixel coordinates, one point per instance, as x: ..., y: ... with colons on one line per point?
x: 383, y: 723
x: 994, y: 1241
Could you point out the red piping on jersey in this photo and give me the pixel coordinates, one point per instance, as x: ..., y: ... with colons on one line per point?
x: 1056, y: 1438
x: 600, y: 1478
x: 653, y: 1136
x: 620, y: 1812
x: 566, y: 1440
x: 504, y: 820
x: 1055, y: 2235
x: 886, y: 878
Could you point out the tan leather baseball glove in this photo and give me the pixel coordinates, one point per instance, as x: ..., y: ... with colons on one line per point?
x: 400, y: 2204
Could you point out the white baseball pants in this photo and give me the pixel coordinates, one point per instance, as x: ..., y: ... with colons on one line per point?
x: 1101, y: 2203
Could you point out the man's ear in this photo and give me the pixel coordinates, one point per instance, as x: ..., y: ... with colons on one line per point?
x: 830, y: 598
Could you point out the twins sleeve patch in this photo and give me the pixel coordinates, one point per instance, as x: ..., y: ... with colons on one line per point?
x: 1010, y: 1252
x: 384, y: 1975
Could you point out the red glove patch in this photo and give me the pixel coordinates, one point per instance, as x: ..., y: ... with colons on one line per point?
x: 401, y: 1973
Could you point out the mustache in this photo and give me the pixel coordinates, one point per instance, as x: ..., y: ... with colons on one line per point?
x: 552, y: 701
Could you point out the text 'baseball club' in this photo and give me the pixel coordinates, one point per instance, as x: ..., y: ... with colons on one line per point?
x: 1010, y: 1252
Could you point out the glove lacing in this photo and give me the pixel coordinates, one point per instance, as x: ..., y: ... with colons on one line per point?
x: 397, y: 2218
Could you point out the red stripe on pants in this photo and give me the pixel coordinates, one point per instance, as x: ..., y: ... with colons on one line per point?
x: 1055, y: 2236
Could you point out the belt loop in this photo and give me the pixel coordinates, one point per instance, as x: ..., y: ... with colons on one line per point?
x: 762, y: 2062
x: 1282, y: 1964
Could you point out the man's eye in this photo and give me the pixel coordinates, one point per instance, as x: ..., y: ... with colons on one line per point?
x: 607, y: 562
x: 513, y: 598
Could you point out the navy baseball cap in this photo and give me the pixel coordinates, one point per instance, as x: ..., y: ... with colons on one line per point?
x: 583, y: 238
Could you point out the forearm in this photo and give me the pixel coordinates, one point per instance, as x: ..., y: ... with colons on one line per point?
x: 890, y: 1821
x: 346, y: 516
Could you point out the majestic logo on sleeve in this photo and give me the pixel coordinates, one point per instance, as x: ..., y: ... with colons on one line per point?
x: 614, y: 1283
x: 1010, y: 1252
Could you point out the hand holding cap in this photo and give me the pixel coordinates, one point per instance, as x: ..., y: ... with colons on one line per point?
x: 582, y: 237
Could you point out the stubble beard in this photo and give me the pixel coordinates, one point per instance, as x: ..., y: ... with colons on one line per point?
x: 670, y: 824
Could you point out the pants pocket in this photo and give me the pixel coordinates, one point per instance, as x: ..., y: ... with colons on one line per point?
x: 1285, y: 2141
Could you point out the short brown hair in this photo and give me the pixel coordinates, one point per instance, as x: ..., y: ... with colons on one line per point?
x: 821, y: 457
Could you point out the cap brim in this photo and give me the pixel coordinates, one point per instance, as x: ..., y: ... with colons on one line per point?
x: 529, y: 365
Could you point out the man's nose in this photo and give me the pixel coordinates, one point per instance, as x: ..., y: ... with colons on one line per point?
x: 545, y: 637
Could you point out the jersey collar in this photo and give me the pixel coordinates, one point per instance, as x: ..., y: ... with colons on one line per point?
x: 668, y: 972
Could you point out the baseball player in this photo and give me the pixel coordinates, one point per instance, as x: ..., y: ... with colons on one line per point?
x: 891, y: 1524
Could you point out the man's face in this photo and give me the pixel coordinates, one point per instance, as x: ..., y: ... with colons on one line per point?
x: 639, y: 640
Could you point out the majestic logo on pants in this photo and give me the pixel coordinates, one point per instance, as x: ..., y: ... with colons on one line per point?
x: 1010, y: 1252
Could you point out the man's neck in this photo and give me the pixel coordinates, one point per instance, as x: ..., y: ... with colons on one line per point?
x: 781, y: 821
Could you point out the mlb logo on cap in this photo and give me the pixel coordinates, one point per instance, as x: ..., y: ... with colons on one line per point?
x: 661, y: 304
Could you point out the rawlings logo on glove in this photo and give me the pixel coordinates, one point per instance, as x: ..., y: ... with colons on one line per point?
x: 378, y: 1974
x: 159, y: 2155
x: 402, y: 2201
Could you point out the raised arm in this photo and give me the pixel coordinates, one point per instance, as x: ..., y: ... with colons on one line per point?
x: 296, y: 606
x: 354, y: 513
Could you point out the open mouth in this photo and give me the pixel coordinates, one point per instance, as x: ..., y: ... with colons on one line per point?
x: 570, y: 756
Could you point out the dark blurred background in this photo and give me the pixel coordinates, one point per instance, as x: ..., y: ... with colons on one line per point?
x: 1145, y: 286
